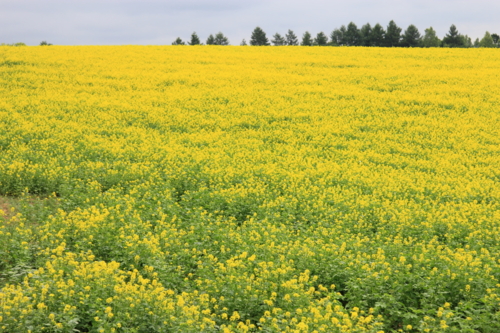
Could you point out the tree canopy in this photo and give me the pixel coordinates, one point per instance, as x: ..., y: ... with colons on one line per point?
x: 351, y: 35
x: 307, y: 39
x: 259, y: 38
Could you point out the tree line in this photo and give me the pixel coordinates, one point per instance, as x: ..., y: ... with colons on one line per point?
x: 367, y: 35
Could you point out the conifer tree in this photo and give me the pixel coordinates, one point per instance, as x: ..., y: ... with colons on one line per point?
x: 337, y: 36
x: 210, y: 40
x: 178, y: 41
x: 220, y: 39
x: 278, y: 40
x: 411, y: 37
x: 321, y: 39
x: 291, y: 38
x: 453, y: 38
x: 352, y: 35
x: 496, y: 39
x: 195, y: 40
x: 393, y: 35
x: 366, y: 35
x: 258, y: 37
x: 377, y: 36
x: 306, y: 39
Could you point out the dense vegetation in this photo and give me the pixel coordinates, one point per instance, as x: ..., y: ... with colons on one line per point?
x: 367, y: 35
x: 215, y: 189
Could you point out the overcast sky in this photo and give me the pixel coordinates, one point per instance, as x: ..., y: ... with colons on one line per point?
x: 118, y: 22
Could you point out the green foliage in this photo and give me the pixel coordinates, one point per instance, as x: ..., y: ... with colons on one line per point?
x: 496, y: 39
x: 321, y: 39
x: 220, y: 39
x: 195, y: 40
x: 291, y: 38
x: 178, y: 41
x: 487, y: 41
x: 307, y: 39
x: 278, y: 40
x: 44, y: 43
x: 411, y: 37
x: 430, y: 39
x: 352, y: 36
x: 259, y: 37
x: 13, y: 44
x: 393, y: 35
x: 377, y: 37
x: 210, y: 40
x: 338, y: 36
x: 243, y: 42
x: 366, y: 35
x: 453, y: 38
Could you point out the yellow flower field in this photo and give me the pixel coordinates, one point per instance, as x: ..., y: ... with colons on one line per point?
x: 246, y: 189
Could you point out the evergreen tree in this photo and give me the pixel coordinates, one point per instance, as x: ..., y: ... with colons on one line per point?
x: 306, y: 39
x: 243, y: 42
x: 220, y: 39
x: 210, y: 40
x: 278, y: 40
x: 496, y: 39
x: 258, y: 37
x: 430, y: 39
x: 378, y: 36
x: 453, y: 38
x: 195, y: 40
x: 366, y: 35
x: 321, y: 39
x: 411, y: 37
x: 352, y: 35
x: 486, y: 41
x: 476, y: 42
x: 44, y: 43
x: 178, y: 41
x: 393, y: 35
x: 291, y: 38
x: 337, y: 36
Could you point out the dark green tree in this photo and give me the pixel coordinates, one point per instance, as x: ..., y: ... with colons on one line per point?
x: 366, y: 35
x: 378, y: 36
x: 291, y: 38
x: 430, y: 38
x: 278, y: 40
x: 393, y: 35
x: 411, y: 37
x: 44, y: 43
x: 178, y: 41
x: 306, y: 39
x: 487, y: 41
x: 195, y: 40
x: 321, y: 39
x: 258, y: 37
x: 337, y: 36
x: 476, y: 42
x: 220, y: 39
x: 453, y: 38
x: 496, y: 39
x: 352, y: 35
x: 210, y: 40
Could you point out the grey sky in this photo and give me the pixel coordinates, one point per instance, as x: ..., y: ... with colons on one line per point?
x: 97, y: 22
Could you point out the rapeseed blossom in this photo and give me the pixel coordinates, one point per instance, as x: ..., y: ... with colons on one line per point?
x: 250, y: 189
